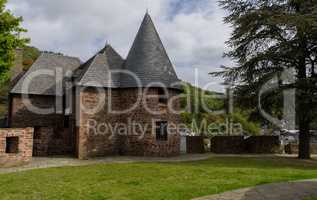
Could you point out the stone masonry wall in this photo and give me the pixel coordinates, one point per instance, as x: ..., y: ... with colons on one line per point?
x: 21, y: 116
x: 113, y: 142
x: 51, y: 138
x: 51, y: 141
x: 94, y: 136
x: 24, y: 149
x: 147, y: 145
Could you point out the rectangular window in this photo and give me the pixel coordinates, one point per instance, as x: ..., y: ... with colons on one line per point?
x: 12, y: 145
x: 161, y: 131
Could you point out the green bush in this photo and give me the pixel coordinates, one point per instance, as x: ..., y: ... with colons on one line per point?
x: 251, y: 128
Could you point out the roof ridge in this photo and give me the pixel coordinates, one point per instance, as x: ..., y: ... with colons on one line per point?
x: 88, y: 67
x: 59, y: 55
x: 98, y: 72
x: 44, y: 84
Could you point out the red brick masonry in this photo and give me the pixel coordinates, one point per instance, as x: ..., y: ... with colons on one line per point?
x: 91, y: 145
x: 20, y: 149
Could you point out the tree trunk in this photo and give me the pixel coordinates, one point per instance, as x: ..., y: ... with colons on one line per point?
x: 303, y: 112
x: 303, y: 109
x: 304, y: 137
x: 304, y: 126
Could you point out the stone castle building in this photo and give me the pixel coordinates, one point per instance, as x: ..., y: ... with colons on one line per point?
x: 63, y: 92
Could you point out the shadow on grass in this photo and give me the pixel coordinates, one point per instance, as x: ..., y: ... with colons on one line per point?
x: 274, y: 162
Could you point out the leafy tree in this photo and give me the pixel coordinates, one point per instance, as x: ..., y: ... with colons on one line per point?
x: 200, y: 103
x: 197, y: 103
x: 249, y: 127
x: 10, y: 40
x: 30, y: 54
x: 271, y: 36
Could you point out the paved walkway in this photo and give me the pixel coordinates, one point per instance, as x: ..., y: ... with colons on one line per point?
x: 299, y: 190
x: 48, y: 162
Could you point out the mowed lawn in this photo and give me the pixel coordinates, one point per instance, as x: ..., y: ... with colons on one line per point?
x: 184, y: 180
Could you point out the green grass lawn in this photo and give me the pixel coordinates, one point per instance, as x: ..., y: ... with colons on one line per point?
x: 152, y: 180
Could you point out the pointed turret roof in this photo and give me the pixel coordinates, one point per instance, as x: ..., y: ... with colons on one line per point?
x: 148, y: 59
x: 100, y: 70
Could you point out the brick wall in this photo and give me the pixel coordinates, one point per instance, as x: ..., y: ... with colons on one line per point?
x: 149, y: 146
x: 105, y: 141
x: 90, y: 145
x: 24, y: 144
x: 51, y: 138
x: 51, y: 141
x: 93, y: 143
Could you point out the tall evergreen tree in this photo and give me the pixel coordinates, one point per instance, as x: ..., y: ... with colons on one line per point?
x: 10, y: 40
x: 271, y: 36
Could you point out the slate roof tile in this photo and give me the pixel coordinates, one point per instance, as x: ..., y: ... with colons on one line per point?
x: 44, y: 84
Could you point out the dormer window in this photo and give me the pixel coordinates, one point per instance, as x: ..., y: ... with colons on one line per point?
x: 162, y: 96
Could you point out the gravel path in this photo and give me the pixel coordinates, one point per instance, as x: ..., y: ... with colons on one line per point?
x: 48, y: 162
x: 299, y: 190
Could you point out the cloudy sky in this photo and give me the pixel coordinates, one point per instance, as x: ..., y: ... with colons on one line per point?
x: 192, y: 31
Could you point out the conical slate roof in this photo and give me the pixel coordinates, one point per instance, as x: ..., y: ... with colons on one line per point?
x: 102, y: 70
x: 148, y: 59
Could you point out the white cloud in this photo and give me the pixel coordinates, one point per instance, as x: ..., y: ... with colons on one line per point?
x: 192, y: 30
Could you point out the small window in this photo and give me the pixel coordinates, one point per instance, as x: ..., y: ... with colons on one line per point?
x: 162, y: 96
x: 161, y: 131
x: 66, y: 121
x: 12, y: 145
x: 163, y: 100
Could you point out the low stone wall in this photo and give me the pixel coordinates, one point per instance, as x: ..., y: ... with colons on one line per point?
x: 263, y: 144
x: 228, y: 144
x: 16, y: 146
x: 195, y: 144
x: 50, y: 141
x: 238, y: 145
x: 293, y: 149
